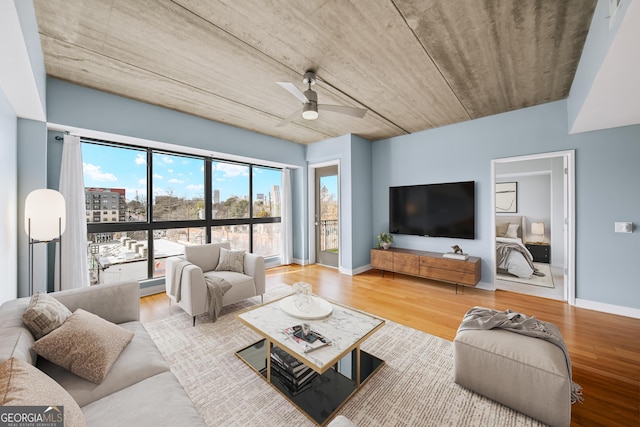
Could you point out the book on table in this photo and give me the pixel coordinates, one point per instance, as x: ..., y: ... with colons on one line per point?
x: 286, y: 361
x: 292, y: 373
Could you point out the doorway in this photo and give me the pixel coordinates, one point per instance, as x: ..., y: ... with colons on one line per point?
x: 326, y: 215
x: 544, y: 202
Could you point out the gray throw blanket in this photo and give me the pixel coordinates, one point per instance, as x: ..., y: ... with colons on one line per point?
x: 216, y: 288
x: 503, y: 249
x: 176, y: 280
x: 485, y: 318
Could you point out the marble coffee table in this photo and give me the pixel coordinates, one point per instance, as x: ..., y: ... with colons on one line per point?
x: 342, y: 367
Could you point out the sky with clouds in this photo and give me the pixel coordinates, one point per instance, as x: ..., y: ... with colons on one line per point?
x: 113, y: 167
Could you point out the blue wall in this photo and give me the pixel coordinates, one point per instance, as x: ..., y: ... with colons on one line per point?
x: 77, y: 106
x: 74, y: 105
x: 8, y: 201
x: 361, y: 202
x: 32, y: 175
x: 354, y: 154
x: 606, y: 188
x: 338, y: 149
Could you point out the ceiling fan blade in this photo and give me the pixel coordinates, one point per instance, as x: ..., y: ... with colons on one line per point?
x: 293, y: 90
x: 288, y: 119
x: 351, y: 111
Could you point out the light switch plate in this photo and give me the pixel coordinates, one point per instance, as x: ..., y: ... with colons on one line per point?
x: 624, y: 227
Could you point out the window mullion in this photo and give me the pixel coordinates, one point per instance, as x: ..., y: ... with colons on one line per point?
x: 148, y: 224
x: 250, y: 208
x: 208, y: 197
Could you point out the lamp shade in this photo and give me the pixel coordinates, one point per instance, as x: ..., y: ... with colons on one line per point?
x: 44, y: 215
x: 537, y: 228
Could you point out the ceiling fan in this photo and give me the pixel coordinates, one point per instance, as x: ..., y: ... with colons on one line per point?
x: 309, y: 99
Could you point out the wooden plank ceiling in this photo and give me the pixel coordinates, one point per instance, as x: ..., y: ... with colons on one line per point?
x: 414, y: 64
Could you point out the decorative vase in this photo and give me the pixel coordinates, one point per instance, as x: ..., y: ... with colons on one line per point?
x: 302, y: 292
x: 386, y: 245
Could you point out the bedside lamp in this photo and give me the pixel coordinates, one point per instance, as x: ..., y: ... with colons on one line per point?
x: 44, y: 222
x: 537, y: 229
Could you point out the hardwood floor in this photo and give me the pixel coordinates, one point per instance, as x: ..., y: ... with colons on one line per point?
x: 604, y: 348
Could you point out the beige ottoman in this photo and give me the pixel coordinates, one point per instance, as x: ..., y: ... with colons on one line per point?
x: 527, y: 374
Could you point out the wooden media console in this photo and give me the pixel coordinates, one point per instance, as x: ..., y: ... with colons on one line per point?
x: 429, y: 265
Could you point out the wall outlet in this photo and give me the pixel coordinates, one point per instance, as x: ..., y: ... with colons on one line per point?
x: 624, y: 227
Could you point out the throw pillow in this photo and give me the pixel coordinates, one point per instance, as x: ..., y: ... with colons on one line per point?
x: 85, y: 344
x: 231, y: 261
x: 44, y: 314
x: 501, y: 229
x: 22, y: 384
x: 512, y: 231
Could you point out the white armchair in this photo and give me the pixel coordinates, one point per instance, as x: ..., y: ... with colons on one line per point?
x: 202, y: 261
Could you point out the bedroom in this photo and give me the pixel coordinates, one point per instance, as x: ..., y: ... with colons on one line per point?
x: 531, y: 258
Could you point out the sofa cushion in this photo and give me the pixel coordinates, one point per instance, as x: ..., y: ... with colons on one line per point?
x: 85, y: 344
x: 123, y: 300
x: 139, y: 360
x: 205, y: 256
x: 17, y: 342
x: 15, y: 339
x: 242, y: 286
x: 231, y: 261
x: 157, y: 401
x: 22, y: 384
x: 44, y: 314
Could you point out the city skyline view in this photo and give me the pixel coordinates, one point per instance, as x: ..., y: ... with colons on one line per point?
x: 116, y: 167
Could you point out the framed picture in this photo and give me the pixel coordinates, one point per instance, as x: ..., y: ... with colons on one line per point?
x: 506, y: 197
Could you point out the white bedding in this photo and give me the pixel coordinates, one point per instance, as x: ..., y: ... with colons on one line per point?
x: 515, y: 262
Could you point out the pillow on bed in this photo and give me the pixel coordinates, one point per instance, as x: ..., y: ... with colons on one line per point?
x: 501, y: 229
x: 512, y: 231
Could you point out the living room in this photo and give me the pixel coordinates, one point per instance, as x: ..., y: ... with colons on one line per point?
x: 605, y: 171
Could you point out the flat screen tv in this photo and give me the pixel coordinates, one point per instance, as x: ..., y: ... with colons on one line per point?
x: 433, y: 210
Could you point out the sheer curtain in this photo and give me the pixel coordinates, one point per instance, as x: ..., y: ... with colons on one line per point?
x: 286, y: 236
x: 75, y: 270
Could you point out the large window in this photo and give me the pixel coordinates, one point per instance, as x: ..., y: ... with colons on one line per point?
x: 145, y: 205
x: 115, y: 180
x: 266, y: 192
x: 178, y: 187
x: 230, y: 186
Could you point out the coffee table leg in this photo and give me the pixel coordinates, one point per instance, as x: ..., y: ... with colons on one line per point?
x: 357, y: 366
x: 268, y: 346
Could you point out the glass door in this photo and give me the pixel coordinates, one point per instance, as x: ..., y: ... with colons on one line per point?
x: 327, y: 216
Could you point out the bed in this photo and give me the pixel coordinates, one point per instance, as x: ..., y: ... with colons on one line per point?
x: 512, y: 256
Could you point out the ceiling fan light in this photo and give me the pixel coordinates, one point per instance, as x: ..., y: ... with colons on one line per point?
x: 309, y: 112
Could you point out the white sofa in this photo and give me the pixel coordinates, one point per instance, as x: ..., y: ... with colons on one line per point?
x: 203, y: 261
x: 139, y: 389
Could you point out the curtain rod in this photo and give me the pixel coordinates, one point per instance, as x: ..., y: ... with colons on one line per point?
x: 59, y: 138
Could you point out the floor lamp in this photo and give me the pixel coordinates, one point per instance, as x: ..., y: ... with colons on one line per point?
x: 44, y: 222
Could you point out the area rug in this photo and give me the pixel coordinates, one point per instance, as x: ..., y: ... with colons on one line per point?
x: 545, y: 281
x: 414, y: 388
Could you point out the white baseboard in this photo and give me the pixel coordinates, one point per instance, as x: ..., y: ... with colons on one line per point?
x: 355, y: 271
x: 300, y: 261
x: 608, y: 308
x: 486, y: 286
